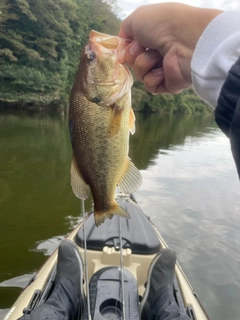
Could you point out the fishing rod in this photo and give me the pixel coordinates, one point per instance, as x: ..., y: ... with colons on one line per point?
x: 121, y: 273
x: 122, y: 270
x: 86, y: 261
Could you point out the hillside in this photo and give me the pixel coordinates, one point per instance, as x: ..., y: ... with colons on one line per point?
x: 40, y: 47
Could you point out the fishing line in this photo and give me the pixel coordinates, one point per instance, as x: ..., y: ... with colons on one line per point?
x: 122, y: 270
x: 86, y: 261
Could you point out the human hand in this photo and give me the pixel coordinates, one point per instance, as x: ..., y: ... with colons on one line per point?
x: 164, y: 37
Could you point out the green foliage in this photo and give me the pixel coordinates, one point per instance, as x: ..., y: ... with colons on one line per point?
x: 40, y: 46
x: 104, y: 16
x: 187, y: 102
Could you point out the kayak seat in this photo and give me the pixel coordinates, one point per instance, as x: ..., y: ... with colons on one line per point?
x: 137, y: 232
x: 105, y: 289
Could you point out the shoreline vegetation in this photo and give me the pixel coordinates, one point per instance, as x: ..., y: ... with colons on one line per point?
x: 40, y: 47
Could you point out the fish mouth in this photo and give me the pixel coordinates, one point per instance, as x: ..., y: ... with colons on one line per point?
x: 113, y: 45
x: 124, y: 87
x: 110, y: 83
x: 118, y: 45
x: 128, y: 82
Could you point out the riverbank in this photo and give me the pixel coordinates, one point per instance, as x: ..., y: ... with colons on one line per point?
x: 186, y: 102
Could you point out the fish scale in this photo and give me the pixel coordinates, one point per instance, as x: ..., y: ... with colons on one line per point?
x: 105, y: 154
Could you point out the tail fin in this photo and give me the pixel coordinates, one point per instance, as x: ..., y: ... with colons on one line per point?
x: 115, y: 209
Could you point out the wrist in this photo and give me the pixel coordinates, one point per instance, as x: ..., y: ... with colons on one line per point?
x: 216, y: 51
x: 189, y: 26
x: 193, y: 23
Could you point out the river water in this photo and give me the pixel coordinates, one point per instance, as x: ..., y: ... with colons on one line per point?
x: 190, y: 190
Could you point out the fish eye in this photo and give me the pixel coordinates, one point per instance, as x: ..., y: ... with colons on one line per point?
x: 90, y: 56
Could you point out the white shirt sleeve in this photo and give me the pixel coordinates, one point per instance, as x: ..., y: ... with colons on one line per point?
x: 217, y: 50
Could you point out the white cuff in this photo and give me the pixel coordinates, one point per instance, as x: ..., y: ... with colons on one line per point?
x: 217, y: 50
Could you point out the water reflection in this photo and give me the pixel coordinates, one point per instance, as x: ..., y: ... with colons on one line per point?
x: 36, y: 196
x: 21, y: 281
x: 192, y: 195
x: 154, y: 133
x: 190, y: 190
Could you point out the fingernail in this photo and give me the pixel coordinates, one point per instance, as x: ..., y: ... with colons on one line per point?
x: 157, y: 72
x: 152, y: 54
x: 136, y: 48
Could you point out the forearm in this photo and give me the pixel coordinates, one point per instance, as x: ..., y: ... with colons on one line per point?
x: 217, y: 50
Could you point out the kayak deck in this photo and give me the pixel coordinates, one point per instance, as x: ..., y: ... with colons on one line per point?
x: 141, y: 241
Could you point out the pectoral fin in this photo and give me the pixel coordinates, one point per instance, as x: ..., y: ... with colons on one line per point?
x: 131, y: 179
x: 132, y: 121
x: 115, y: 120
x: 79, y: 186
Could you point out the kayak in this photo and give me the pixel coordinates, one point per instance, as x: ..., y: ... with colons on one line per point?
x: 130, y: 243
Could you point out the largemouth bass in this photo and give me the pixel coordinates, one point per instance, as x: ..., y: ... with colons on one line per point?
x: 100, y: 119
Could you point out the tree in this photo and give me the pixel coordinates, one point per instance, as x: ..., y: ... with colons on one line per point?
x: 40, y: 46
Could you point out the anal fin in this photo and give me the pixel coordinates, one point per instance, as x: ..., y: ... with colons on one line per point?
x: 131, y: 179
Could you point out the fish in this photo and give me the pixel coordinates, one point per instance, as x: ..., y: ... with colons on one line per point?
x: 100, y: 120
